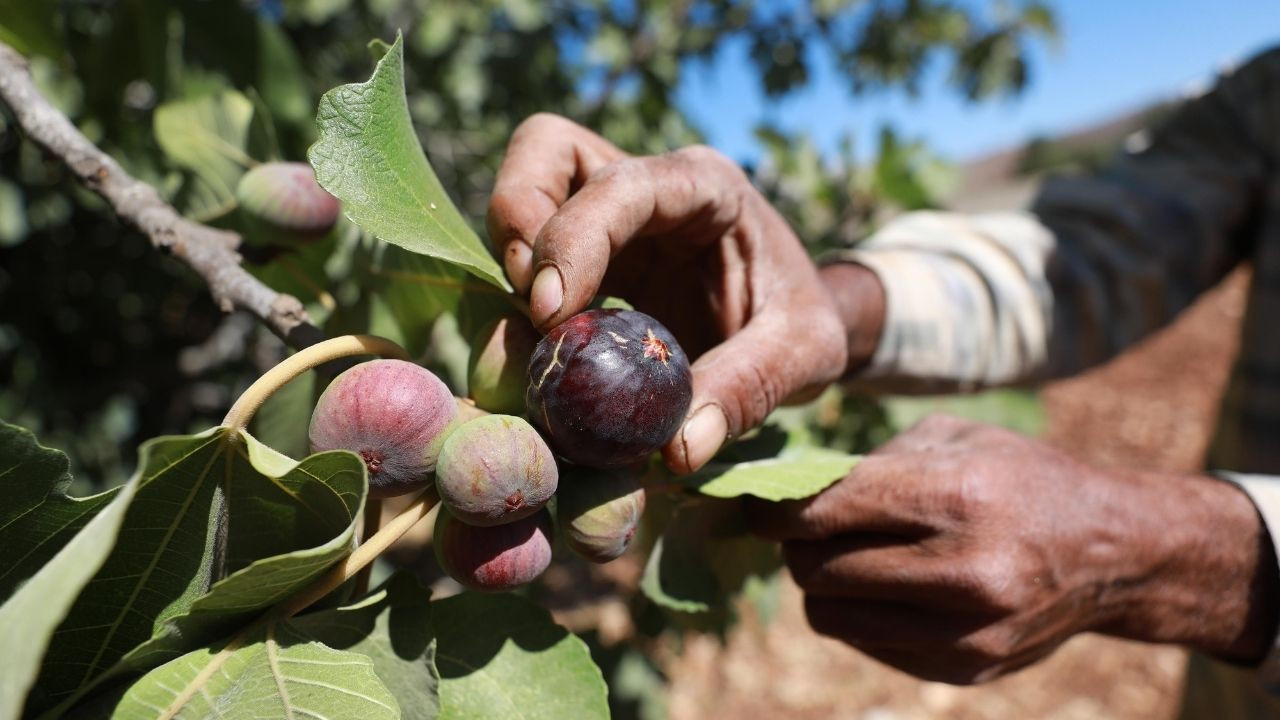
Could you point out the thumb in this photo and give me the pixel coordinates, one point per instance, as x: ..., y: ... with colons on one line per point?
x: 739, y: 382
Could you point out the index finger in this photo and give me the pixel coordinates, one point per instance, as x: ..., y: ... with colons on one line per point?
x: 547, y: 160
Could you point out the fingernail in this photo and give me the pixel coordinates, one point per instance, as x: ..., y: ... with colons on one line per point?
x: 517, y: 265
x: 547, y: 294
x: 703, y: 435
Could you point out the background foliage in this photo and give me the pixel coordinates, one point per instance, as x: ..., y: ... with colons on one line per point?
x: 103, y: 343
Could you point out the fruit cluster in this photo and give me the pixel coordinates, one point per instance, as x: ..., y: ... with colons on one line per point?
x: 605, y: 389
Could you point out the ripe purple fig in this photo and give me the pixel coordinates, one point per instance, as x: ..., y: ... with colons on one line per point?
x: 287, y: 196
x: 394, y: 414
x: 608, y: 387
x: 493, y: 558
x: 497, y: 373
x: 598, y: 511
x: 495, y: 469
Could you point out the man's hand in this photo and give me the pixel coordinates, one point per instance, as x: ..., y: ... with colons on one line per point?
x: 959, y: 552
x: 684, y: 237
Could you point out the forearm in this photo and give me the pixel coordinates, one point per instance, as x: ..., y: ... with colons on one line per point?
x: 1195, y: 566
x: 1099, y: 261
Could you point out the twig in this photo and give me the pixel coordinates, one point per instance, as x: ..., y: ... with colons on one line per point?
x: 211, y: 252
x: 255, y: 395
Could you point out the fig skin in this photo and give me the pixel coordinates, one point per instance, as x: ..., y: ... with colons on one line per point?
x: 495, y: 558
x: 286, y: 196
x: 496, y: 372
x: 494, y: 470
x: 608, y: 387
x: 598, y: 511
x: 394, y: 414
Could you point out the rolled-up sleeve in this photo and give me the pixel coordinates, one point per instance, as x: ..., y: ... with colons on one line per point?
x: 1264, y: 491
x: 1096, y: 264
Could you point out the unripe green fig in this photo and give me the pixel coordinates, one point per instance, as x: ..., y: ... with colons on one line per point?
x: 394, y: 414
x: 495, y: 469
x: 287, y: 196
x: 497, y: 372
x: 599, y: 510
x: 501, y: 557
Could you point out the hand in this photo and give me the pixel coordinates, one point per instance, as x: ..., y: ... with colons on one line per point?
x: 684, y: 237
x: 959, y: 552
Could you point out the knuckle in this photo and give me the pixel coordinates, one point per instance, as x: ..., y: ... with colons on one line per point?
x: 996, y: 580
x: 699, y: 154
x: 941, y: 424
x: 704, y: 156
x: 540, y: 122
x: 626, y: 171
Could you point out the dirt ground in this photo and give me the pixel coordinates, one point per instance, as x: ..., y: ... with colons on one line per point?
x: 1152, y: 407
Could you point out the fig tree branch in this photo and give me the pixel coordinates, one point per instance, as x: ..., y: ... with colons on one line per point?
x: 210, y: 252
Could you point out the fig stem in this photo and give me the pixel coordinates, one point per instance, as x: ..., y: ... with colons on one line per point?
x: 372, y: 521
x: 362, y: 556
x: 250, y: 400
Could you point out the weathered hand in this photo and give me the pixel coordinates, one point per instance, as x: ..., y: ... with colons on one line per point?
x: 959, y: 552
x: 684, y: 237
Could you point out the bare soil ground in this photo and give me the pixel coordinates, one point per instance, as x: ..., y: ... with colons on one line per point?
x: 1153, y: 407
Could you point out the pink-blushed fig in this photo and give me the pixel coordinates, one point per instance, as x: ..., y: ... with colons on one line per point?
x: 501, y: 557
x: 495, y: 469
x: 287, y: 196
x: 598, y: 511
x: 608, y: 387
x: 394, y: 414
x: 497, y: 372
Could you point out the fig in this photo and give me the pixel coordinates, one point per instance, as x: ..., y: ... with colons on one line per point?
x: 394, y: 414
x: 493, y: 558
x: 287, y: 196
x: 608, y: 387
x: 496, y: 373
x: 495, y: 469
x: 598, y: 511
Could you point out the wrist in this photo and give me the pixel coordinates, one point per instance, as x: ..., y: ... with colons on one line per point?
x: 860, y: 301
x: 1207, y: 573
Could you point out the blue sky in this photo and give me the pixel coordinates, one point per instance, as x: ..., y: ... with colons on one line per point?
x: 1112, y: 56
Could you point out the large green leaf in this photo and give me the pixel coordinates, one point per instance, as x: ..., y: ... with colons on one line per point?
x: 392, y: 626
x: 164, y: 560
x: 207, y: 136
x: 37, y: 518
x: 500, y: 656
x: 281, y: 673
x: 28, y: 619
x: 369, y: 157
x: 795, y: 474
x: 704, y: 556
x: 301, y: 516
x: 159, y: 593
